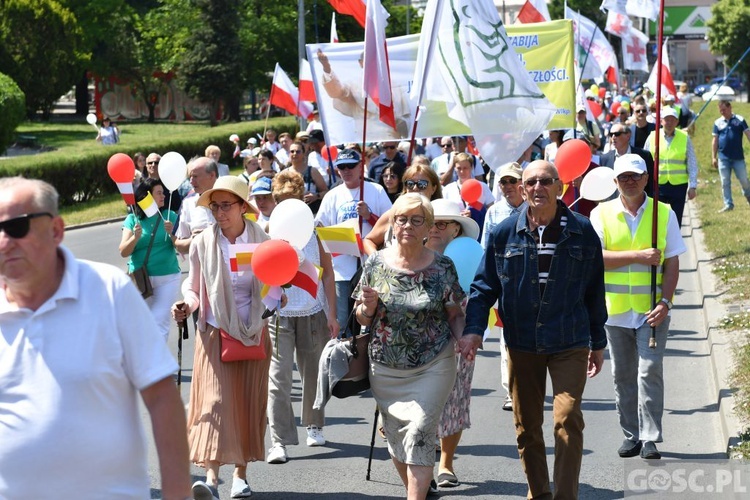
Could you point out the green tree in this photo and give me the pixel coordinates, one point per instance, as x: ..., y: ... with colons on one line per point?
x: 12, y: 106
x: 588, y: 8
x: 210, y: 70
x: 40, y: 43
x: 729, y: 32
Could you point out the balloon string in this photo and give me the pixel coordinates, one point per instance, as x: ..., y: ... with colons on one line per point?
x: 579, y: 199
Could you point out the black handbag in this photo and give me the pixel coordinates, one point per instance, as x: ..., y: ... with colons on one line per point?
x: 357, y: 379
x: 140, y: 276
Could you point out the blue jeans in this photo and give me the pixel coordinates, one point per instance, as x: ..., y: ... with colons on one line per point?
x: 343, y: 292
x: 725, y: 173
x: 638, y: 373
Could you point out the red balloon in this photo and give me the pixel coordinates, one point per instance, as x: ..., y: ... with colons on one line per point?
x: 596, y: 108
x: 275, y: 262
x: 121, y: 168
x: 330, y: 153
x: 471, y: 191
x: 602, y: 92
x: 615, y: 107
x: 572, y: 159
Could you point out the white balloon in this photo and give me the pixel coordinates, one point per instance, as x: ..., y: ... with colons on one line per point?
x: 599, y: 184
x: 91, y: 119
x: 172, y: 170
x: 292, y: 221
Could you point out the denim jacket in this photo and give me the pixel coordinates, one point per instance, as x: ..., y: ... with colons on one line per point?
x: 572, y: 312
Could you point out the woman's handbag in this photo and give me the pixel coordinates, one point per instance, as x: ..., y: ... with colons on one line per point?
x: 234, y: 350
x: 357, y: 379
x: 140, y: 276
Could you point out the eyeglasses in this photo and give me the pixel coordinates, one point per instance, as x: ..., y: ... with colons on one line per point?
x: 449, y: 145
x: 389, y: 176
x: 627, y: 177
x: 421, y: 184
x: 295, y: 151
x: 415, y: 220
x: 641, y: 111
x: 214, y: 207
x: 389, y: 147
x: 152, y: 162
x: 441, y: 225
x: 618, y: 133
x: 18, y: 227
x: 347, y: 166
x: 545, y: 181
x: 509, y: 180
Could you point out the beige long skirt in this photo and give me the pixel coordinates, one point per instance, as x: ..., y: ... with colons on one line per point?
x: 411, y: 402
x: 227, y: 412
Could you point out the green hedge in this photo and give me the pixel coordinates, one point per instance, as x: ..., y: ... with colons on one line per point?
x: 83, y: 176
x: 12, y: 110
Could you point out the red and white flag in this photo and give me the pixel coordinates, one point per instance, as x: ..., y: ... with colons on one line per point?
x: 334, y: 33
x: 533, y: 11
x: 634, y: 51
x: 126, y: 190
x: 377, y: 73
x: 667, y: 84
x: 306, y: 87
x: 354, y: 8
x: 618, y: 23
x: 286, y: 96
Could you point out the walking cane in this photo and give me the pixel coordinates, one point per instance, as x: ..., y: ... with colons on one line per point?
x: 182, y: 334
x: 372, y: 442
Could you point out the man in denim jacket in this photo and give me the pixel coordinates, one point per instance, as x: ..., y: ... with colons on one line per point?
x: 545, y: 267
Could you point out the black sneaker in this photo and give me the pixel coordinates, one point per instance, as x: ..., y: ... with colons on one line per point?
x: 433, y: 491
x: 629, y: 448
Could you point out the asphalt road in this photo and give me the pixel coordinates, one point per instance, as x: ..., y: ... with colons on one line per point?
x: 487, y: 462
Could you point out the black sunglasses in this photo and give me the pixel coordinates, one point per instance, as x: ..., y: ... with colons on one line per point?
x: 152, y: 163
x: 546, y: 181
x: 18, y: 227
x: 389, y: 147
x: 618, y: 133
x: 509, y: 180
x: 640, y: 111
x: 449, y: 145
x: 421, y: 184
x: 347, y: 166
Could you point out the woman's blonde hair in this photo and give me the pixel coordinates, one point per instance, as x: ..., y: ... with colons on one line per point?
x: 212, y: 149
x: 287, y: 184
x: 410, y: 201
x: 428, y: 172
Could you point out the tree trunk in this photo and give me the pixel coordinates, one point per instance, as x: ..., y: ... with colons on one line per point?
x: 232, y: 104
x: 151, y: 111
x: 82, y: 95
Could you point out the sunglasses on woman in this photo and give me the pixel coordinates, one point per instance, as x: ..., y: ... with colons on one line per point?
x: 421, y: 185
x: 18, y: 227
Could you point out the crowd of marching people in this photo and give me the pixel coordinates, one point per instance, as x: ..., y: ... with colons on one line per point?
x: 568, y: 277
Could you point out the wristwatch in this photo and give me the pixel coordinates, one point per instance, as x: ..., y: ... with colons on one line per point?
x: 667, y: 302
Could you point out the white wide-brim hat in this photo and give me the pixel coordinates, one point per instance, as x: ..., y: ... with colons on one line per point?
x: 450, y: 210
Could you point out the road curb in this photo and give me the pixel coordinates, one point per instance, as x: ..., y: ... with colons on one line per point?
x: 95, y: 223
x: 720, y: 342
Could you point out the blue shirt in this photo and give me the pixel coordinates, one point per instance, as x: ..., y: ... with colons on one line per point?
x: 730, y: 134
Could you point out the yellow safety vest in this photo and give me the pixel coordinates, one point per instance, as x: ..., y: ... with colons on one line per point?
x: 629, y: 287
x: 672, y: 157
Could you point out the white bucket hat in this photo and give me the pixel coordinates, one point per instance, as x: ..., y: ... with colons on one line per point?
x: 450, y: 210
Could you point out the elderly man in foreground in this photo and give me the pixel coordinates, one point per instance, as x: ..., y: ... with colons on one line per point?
x: 544, y: 265
x: 77, y: 346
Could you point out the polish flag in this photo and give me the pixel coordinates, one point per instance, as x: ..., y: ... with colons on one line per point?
x: 354, y: 8
x: 306, y: 88
x: 286, y: 96
x: 126, y: 190
x: 334, y: 33
x: 308, y: 277
x: 667, y: 84
x: 533, y: 11
x: 377, y: 73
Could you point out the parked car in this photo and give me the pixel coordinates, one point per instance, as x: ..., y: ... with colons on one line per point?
x: 732, y: 82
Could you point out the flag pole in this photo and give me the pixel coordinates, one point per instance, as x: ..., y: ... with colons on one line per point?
x: 420, y: 96
x: 268, y: 111
x: 655, y: 180
x: 706, y: 103
x: 362, y: 162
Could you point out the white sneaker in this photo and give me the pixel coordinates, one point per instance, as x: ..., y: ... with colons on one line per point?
x: 277, y: 454
x: 240, y: 488
x: 202, y: 491
x: 315, y: 436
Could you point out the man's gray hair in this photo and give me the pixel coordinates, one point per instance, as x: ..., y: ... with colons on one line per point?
x: 45, y: 197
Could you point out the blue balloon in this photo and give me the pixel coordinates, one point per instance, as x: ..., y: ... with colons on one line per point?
x: 466, y: 253
x: 618, y: 98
